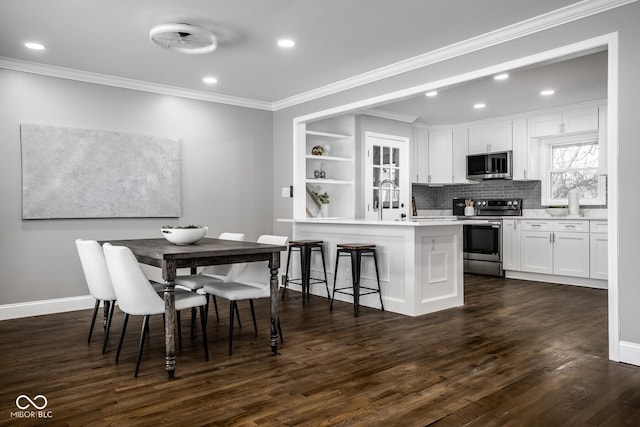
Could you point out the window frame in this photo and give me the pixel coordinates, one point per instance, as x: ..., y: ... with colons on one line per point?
x: 547, y: 144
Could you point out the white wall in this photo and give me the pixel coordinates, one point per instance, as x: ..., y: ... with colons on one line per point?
x: 226, y: 174
x: 622, y: 20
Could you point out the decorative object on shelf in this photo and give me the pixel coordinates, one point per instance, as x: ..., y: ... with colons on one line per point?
x: 184, y: 234
x: 323, y: 198
x: 318, y: 150
x: 469, y: 210
x: 557, y: 210
x: 327, y: 149
x: 320, y: 173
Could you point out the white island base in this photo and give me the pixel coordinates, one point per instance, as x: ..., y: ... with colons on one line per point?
x: 420, y: 263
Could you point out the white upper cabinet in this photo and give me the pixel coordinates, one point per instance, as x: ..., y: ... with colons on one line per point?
x: 525, y: 153
x: 440, y: 156
x: 419, y: 153
x: 490, y: 138
x: 459, y: 152
x: 559, y: 123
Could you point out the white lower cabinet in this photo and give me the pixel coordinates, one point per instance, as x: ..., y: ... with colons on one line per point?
x: 510, y: 243
x: 571, y: 253
x: 599, y: 244
x: 536, y: 252
x: 555, y: 247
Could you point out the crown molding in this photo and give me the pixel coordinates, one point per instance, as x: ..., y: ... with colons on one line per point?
x: 539, y: 23
x: 107, y: 80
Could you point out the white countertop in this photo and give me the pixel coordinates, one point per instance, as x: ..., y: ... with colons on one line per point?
x: 420, y: 222
x: 444, y: 217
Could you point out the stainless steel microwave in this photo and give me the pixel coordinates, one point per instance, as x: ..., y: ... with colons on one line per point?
x: 490, y: 166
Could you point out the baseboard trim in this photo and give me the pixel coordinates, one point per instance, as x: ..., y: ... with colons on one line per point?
x: 630, y: 353
x: 552, y: 278
x: 51, y: 306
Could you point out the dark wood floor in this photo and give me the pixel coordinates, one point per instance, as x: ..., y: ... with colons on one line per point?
x: 518, y: 353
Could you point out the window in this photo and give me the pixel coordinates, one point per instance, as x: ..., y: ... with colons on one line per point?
x: 572, y: 164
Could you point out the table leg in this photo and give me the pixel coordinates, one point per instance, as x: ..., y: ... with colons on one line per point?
x: 169, y: 275
x: 274, y: 265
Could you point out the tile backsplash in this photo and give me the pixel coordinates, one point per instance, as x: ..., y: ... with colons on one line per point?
x: 441, y: 197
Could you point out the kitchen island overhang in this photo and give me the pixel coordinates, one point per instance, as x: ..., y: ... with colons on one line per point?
x: 420, y: 262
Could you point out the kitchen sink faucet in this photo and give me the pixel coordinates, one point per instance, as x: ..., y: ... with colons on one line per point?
x: 391, y: 187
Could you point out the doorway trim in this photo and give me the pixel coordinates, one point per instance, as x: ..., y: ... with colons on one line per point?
x: 610, y: 43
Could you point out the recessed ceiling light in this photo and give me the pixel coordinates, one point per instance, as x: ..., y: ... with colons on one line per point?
x: 210, y: 80
x: 286, y: 43
x: 502, y: 76
x: 34, y: 46
x: 547, y: 92
x: 431, y: 93
x: 479, y: 106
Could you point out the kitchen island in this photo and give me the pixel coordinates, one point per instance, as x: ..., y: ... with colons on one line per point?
x: 420, y: 262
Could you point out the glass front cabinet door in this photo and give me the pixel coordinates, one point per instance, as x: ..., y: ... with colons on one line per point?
x: 387, y: 185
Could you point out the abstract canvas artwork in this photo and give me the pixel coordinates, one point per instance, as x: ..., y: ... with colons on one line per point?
x: 85, y: 173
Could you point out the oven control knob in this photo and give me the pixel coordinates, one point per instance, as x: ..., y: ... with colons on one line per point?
x: 509, y: 203
x: 515, y: 203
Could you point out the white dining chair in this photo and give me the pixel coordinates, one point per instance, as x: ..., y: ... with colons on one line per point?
x: 252, y: 282
x: 136, y: 296
x: 213, y: 273
x: 98, y: 281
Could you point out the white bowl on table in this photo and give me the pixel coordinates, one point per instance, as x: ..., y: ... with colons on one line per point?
x: 184, y: 236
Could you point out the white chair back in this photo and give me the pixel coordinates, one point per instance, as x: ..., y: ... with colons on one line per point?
x: 226, y: 272
x: 258, y: 272
x: 135, y: 294
x: 95, y: 270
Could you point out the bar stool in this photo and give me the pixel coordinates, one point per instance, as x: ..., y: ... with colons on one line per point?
x: 356, y: 251
x: 305, y: 248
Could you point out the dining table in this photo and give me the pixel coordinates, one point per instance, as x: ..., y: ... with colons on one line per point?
x: 170, y: 257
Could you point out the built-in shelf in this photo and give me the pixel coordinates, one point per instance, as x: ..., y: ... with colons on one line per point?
x: 328, y: 181
x: 330, y: 158
x: 334, y: 139
x: 327, y: 134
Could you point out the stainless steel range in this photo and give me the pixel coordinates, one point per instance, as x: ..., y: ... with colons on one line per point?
x: 483, y: 233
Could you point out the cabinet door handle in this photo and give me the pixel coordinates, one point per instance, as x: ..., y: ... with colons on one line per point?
x: 525, y: 174
x: 535, y: 225
x: 552, y: 237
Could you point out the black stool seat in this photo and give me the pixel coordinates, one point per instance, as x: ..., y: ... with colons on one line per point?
x: 305, y: 248
x: 356, y: 251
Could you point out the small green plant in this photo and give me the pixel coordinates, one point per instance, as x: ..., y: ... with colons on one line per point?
x: 322, y: 197
x: 181, y: 226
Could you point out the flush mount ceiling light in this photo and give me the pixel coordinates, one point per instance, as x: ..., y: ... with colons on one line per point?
x: 184, y: 38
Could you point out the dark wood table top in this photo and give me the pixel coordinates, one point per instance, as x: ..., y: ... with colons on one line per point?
x: 207, y: 251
